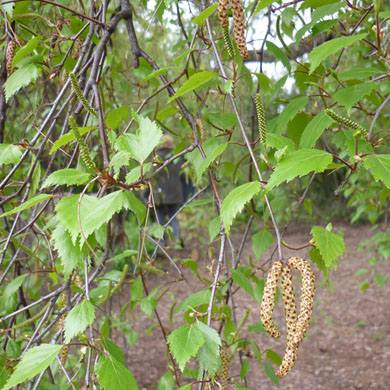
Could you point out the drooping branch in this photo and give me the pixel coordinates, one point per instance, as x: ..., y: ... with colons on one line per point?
x: 304, y: 47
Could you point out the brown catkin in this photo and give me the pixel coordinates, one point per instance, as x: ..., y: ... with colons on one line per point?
x: 64, y: 354
x: 78, y: 44
x: 223, y: 6
x: 268, y: 301
x: 9, y: 56
x: 224, y: 372
x: 239, y: 27
x: 307, y: 297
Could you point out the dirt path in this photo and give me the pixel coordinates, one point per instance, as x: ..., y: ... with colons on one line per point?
x: 348, y: 345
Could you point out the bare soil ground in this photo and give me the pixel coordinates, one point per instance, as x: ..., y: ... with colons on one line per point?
x: 348, y: 345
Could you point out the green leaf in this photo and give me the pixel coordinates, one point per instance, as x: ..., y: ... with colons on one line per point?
x: 256, y: 328
x: 141, y: 144
x: 78, y: 319
x: 148, y: 305
x: 263, y: 4
x: 11, y: 288
x: 315, y: 3
x: 261, y: 241
x: 245, y: 368
x: 330, y: 245
x: 136, y: 290
x: 269, y: 371
x: 212, y: 148
x: 360, y: 272
x: 68, y: 137
x: 19, y: 79
x: 274, y: 357
x: 381, y: 279
x: 318, y: 14
x: 195, y: 81
x: 364, y: 285
x: 379, y: 164
x: 350, y: 95
x: 314, y: 130
x: 167, y: 382
x: 236, y: 200
x: 214, y: 228
x: 113, y: 375
x: 201, y: 18
x: 279, y: 142
x: 186, y: 387
x: 115, y: 117
x: 208, y: 354
x: 135, y: 173
x: 184, y: 343
x: 194, y: 300
x: 67, y: 176
x: 296, y: 105
x: 35, y: 360
x: 9, y: 154
x: 240, y: 279
x: 26, y: 205
x: 359, y: 73
x: 328, y: 48
x: 299, y: 163
x: 94, y: 212
x: 265, y: 83
x: 157, y: 73
x: 279, y: 55
x: 316, y: 258
x: 69, y: 254
x: 26, y: 50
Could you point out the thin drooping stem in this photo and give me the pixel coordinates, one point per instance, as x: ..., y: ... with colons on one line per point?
x: 241, y: 126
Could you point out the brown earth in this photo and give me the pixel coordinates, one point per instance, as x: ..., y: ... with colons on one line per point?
x: 348, y: 344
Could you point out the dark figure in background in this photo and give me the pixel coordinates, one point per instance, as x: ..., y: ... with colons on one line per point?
x: 171, y: 189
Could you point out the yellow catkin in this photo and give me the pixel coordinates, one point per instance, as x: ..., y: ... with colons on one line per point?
x: 224, y: 372
x: 223, y: 7
x: 268, y: 301
x: 202, y: 130
x: 289, y: 359
x: 239, y: 27
x: 9, y: 56
x: 307, y: 297
x: 290, y: 308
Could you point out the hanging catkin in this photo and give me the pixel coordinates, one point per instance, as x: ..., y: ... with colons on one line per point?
x: 223, y: 6
x: 239, y: 27
x: 261, y: 119
x: 268, y: 301
x: 307, y: 297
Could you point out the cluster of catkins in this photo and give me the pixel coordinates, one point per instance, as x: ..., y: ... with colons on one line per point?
x: 239, y: 24
x: 297, y: 325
